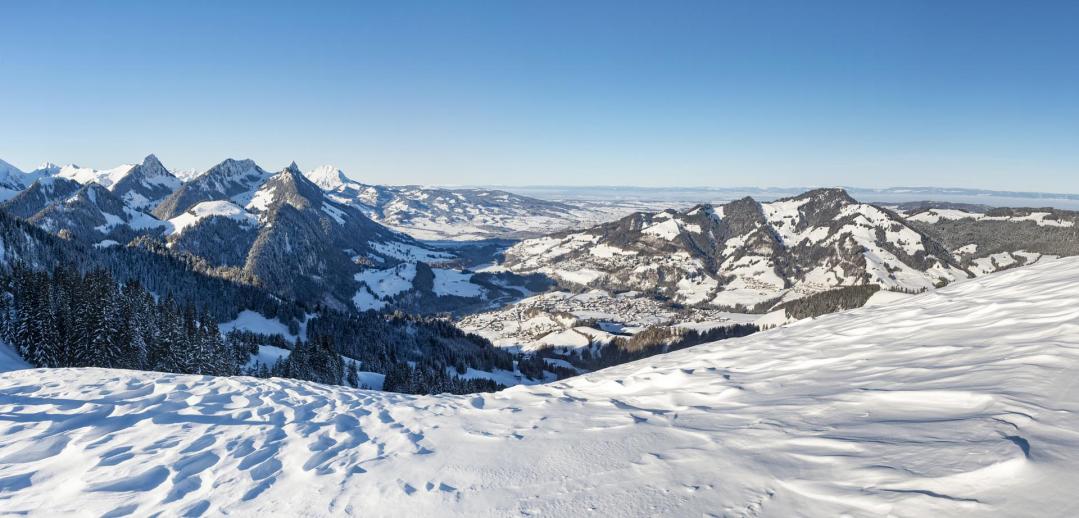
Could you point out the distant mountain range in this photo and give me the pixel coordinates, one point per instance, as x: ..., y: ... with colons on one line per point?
x: 584, y: 283
x: 282, y: 231
x: 438, y: 213
x: 891, y: 195
x: 745, y: 253
x: 322, y: 238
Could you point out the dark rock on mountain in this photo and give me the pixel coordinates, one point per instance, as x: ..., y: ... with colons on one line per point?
x: 146, y: 185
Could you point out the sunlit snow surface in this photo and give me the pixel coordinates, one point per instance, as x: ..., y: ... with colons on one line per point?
x: 961, y: 401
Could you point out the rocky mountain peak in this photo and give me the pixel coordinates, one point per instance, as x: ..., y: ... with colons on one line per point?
x: 47, y: 168
x: 6, y: 168
x: 152, y: 164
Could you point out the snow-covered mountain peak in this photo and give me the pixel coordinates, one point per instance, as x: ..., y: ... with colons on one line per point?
x: 8, y: 169
x: 146, y: 185
x: 46, y: 168
x: 186, y: 174
x: 12, y: 180
x: 152, y: 165
x: 287, y: 186
x: 231, y: 167
x: 329, y: 177
x: 85, y: 175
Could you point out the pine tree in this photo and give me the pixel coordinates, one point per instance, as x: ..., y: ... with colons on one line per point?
x: 353, y: 376
x: 165, y: 354
x: 106, y: 337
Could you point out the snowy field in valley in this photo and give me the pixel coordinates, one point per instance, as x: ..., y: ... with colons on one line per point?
x: 961, y: 401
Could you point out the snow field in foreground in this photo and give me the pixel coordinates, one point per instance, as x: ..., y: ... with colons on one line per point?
x: 961, y: 401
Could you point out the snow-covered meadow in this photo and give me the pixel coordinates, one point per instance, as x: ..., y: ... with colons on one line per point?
x: 960, y: 401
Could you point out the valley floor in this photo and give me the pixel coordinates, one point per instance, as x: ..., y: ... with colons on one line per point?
x: 961, y: 401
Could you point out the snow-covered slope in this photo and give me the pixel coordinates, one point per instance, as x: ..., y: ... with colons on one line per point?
x: 960, y: 401
x: 11, y: 180
x: 210, y: 209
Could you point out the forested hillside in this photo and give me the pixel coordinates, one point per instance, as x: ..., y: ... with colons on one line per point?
x: 69, y: 304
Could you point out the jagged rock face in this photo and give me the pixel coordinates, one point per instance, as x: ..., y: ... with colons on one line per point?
x: 146, y: 185
x: 40, y: 194
x: 745, y: 253
x: 230, y: 180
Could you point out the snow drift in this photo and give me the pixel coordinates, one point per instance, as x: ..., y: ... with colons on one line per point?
x: 955, y: 402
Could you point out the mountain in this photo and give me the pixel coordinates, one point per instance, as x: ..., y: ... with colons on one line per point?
x: 284, y: 233
x: 987, y: 240
x: 96, y: 215
x: 146, y: 184
x: 141, y: 186
x: 93, y: 206
x: 45, y: 170
x: 438, y: 213
x: 745, y: 253
x: 279, y: 231
x: 54, y: 291
x: 306, y: 242
x: 11, y: 180
x: 957, y: 402
x: 221, y: 233
x: 234, y: 180
x: 330, y: 178
x: 186, y: 175
x: 85, y: 175
x: 43, y: 192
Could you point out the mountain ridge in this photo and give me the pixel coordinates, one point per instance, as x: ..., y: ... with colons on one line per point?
x: 744, y: 253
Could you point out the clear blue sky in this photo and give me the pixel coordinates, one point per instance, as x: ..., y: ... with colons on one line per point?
x: 869, y: 93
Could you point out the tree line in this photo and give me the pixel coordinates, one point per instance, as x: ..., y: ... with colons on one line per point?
x: 648, y: 342
x: 49, y: 316
x: 67, y: 319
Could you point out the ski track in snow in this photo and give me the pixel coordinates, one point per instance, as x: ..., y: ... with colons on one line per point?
x: 961, y: 401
